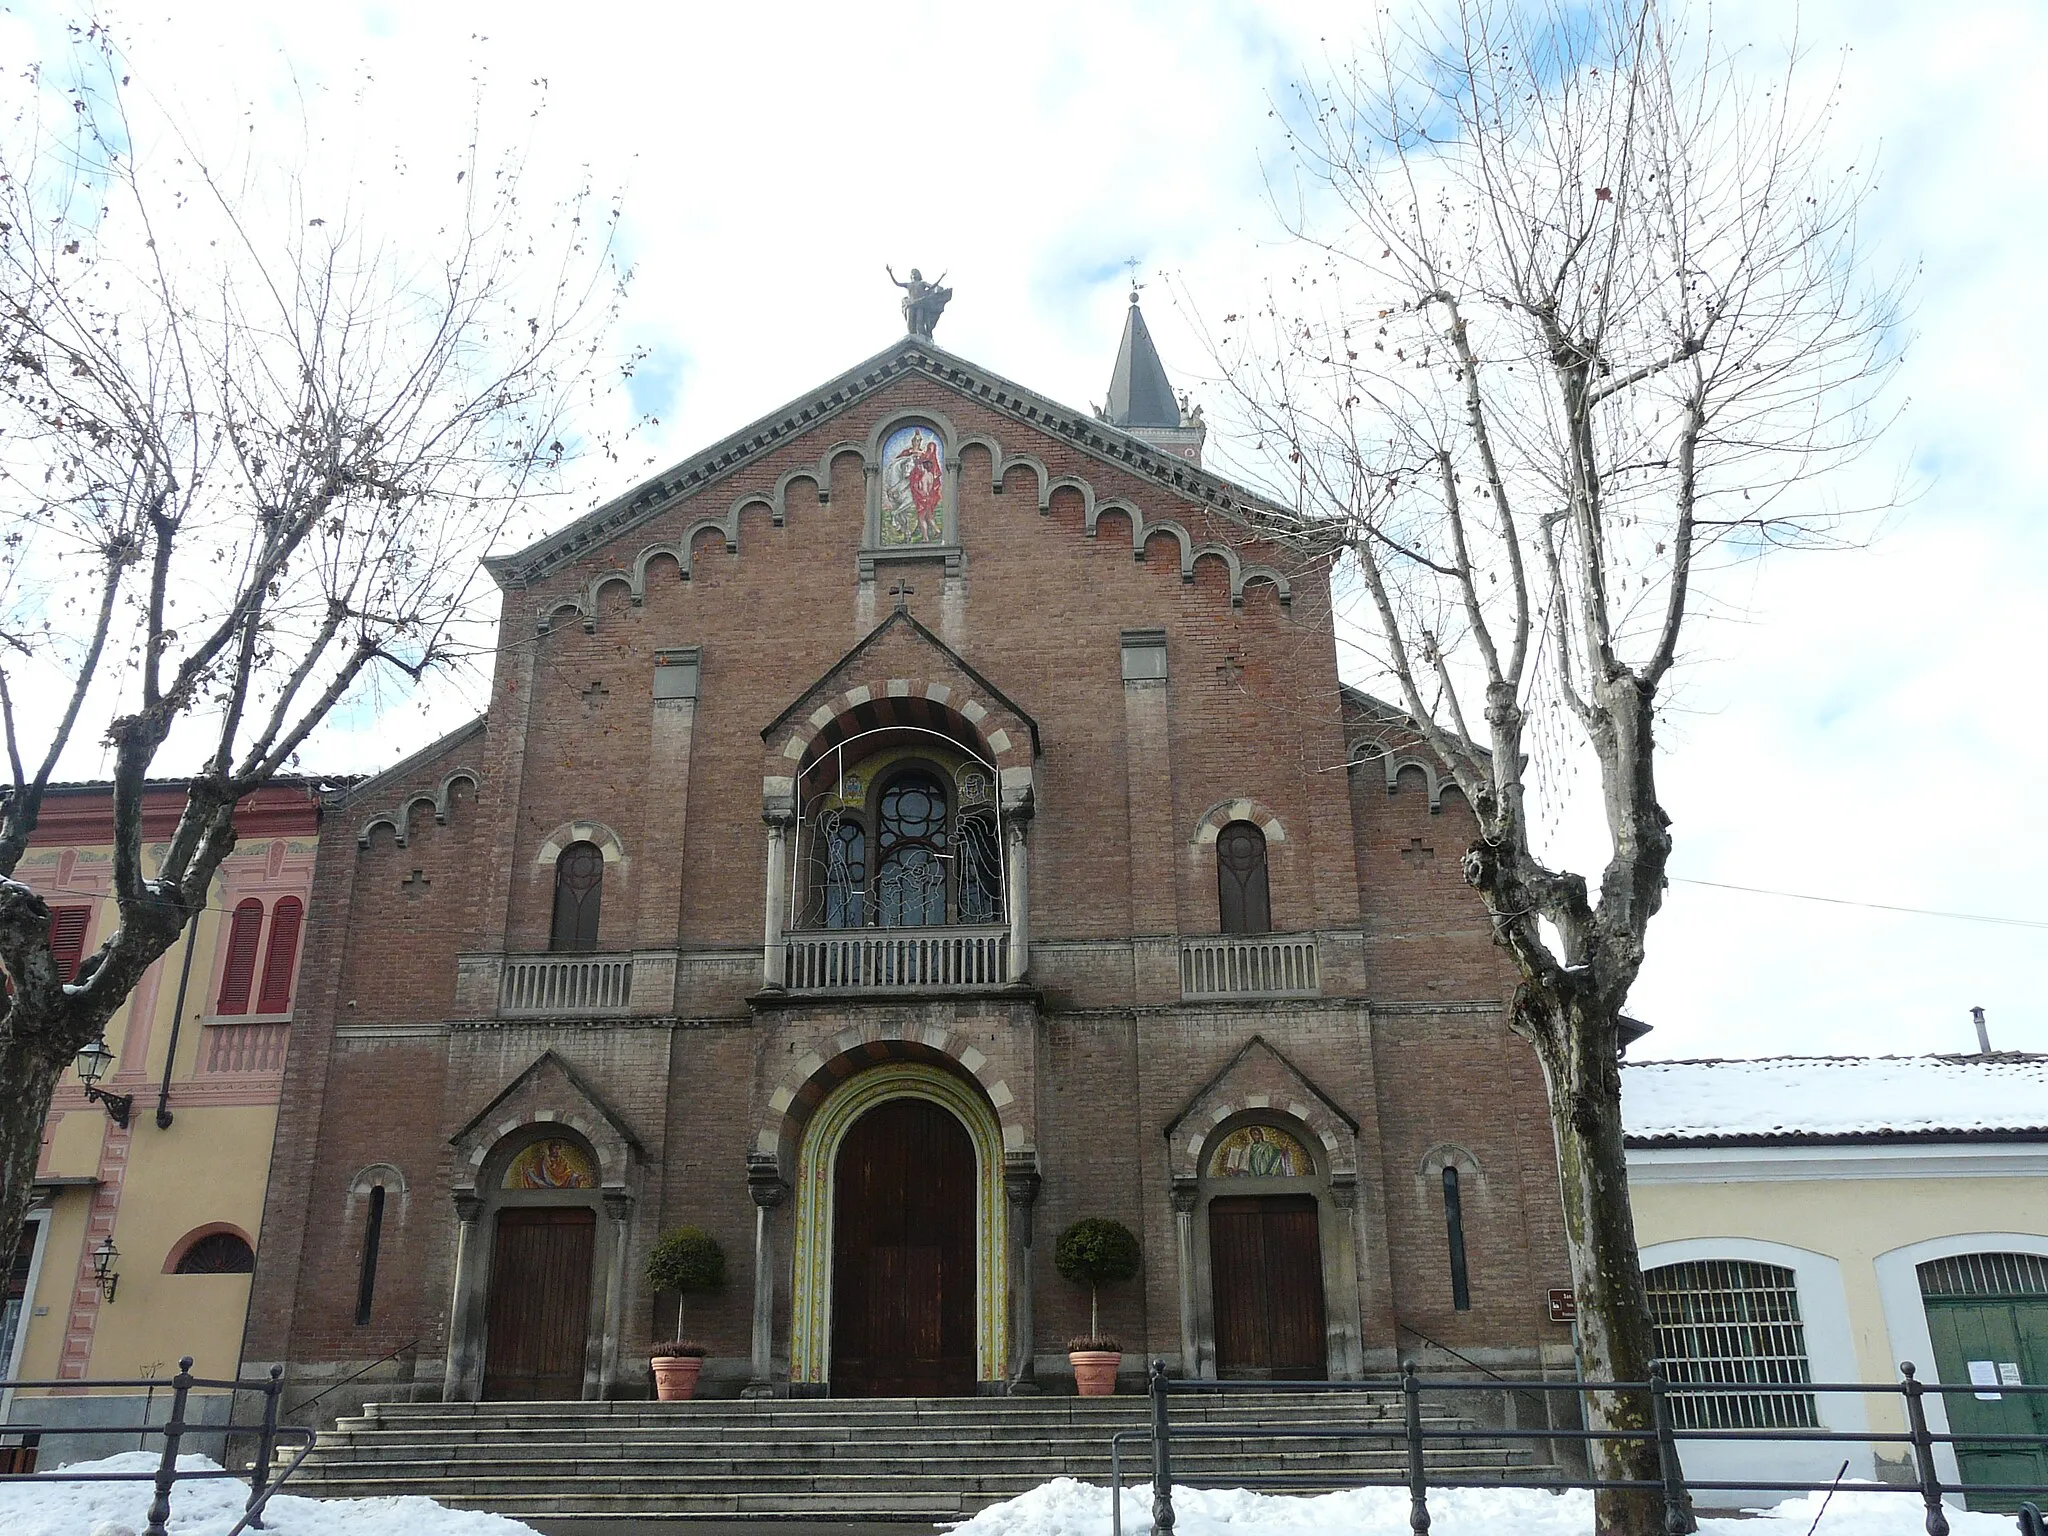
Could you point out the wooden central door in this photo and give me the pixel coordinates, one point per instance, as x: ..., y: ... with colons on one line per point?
x: 903, y: 1255
x: 540, y: 1303
x: 1266, y: 1256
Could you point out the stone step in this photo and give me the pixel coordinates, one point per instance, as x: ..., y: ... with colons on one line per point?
x: 915, y: 1459
x: 1276, y: 1455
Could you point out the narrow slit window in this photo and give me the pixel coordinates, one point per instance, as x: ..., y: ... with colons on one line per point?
x: 373, y: 1234
x: 1454, y: 1225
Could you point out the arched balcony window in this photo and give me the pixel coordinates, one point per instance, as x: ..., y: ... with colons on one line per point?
x: 901, y: 841
x: 579, y: 890
x: 1243, y: 901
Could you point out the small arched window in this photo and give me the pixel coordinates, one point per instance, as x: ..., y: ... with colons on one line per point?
x: 217, y: 1253
x: 579, y: 887
x: 245, y: 930
x: 1242, y: 899
x: 278, y: 958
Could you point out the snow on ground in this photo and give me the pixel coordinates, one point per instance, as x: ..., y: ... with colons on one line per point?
x: 1833, y: 1096
x: 53, y: 1506
x: 1064, y: 1507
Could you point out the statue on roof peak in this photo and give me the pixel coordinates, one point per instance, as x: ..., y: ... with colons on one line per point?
x: 923, y: 302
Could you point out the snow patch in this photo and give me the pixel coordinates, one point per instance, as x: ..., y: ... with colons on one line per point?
x: 1833, y: 1096
x: 1065, y: 1507
x: 53, y: 1505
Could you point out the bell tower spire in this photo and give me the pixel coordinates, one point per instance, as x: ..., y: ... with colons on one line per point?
x: 1141, y: 399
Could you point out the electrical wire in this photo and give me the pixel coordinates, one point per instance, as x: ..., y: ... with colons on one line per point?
x: 1875, y: 906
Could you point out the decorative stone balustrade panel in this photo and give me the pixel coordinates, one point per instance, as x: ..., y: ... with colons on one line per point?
x: 536, y: 985
x: 245, y: 1047
x: 898, y: 959
x: 1261, y: 965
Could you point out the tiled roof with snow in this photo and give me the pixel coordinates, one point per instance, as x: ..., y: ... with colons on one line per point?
x: 1827, y: 1098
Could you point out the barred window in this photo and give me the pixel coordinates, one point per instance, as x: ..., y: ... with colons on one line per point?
x: 1734, y: 1323
x: 1985, y: 1274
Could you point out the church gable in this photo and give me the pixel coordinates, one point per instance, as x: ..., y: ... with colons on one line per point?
x: 914, y: 421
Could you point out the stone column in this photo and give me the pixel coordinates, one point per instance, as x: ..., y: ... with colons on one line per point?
x: 772, y: 956
x: 1185, y: 1192
x: 1021, y: 1183
x: 618, y: 1205
x: 462, y: 1379
x: 764, y: 1183
x: 1019, y: 893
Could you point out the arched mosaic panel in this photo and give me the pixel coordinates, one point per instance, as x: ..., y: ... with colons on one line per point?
x: 1260, y: 1152
x: 551, y: 1163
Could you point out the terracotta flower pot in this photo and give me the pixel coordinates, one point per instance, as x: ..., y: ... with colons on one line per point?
x: 675, y: 1377
x: 1095, y: 1371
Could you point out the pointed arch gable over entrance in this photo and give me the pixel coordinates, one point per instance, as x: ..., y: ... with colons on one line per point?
x: 811, y: 1322
x: 901, y: 674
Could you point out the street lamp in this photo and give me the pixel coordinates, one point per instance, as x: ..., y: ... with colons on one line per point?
x: 91, y: 1065
x: 103, y: 1259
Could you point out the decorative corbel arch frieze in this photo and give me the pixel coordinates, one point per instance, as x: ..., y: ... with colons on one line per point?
x: 437, y: 799
x: 583, y: 604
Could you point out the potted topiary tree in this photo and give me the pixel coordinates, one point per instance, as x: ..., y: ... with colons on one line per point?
x: 688, y: 1261
x: 1096, y: 1252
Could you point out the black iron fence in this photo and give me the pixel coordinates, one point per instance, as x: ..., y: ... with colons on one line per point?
x: 265, y: 1477
x: 1671, y: 1484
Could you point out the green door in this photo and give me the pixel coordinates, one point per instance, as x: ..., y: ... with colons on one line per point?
x: 1990, y: 1311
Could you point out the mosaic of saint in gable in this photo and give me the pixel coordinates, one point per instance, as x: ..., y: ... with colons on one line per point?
x: 551, y: 1164
x: 913, y: 488
x: 1260, y: 1152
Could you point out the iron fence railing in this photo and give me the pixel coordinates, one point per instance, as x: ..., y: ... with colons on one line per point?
x: 175, y: 1430
x: 1671, y: 1483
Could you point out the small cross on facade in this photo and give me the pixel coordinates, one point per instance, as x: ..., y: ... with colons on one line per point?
x: 1415, y: 855
x: 903, y: 591
x: 415, y: 885
x: 595, y: 692
x: 1232, y: 670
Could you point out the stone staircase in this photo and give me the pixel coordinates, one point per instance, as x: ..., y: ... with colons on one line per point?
x: 911, y: 1459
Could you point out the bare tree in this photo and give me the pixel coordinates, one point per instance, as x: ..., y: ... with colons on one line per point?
x: 1585, y: 305
x: 250, y: 450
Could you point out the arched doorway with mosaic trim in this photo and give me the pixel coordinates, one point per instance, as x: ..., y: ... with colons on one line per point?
x: 899, y: 1197
x: 542, y: 1301
x: 1272, y: 1245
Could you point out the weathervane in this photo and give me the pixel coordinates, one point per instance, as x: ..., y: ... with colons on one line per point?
x: 1133, y: 263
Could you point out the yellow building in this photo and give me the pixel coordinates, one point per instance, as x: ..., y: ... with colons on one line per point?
x: 197, y: 1060
x: 1824, y: 1219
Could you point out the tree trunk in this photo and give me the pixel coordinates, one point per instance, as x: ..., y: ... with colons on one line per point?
x: 30, y: 1076
x: 1577, y: 1043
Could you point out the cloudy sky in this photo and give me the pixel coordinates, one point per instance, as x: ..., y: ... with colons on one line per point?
x: 1863, y: 730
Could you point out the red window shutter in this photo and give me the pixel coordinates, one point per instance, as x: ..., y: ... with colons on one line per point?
x: 276, y: 995
x: 241, y: 970
x: 67, y: 938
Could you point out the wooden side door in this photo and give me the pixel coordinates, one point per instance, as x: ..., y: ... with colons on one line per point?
x: 903, y: 1255
x: 540, y: 1303
x: 1266, y: 1263
x: 2011, y: 1333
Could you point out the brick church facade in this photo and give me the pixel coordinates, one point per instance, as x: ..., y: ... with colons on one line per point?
x: 925, y: 819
